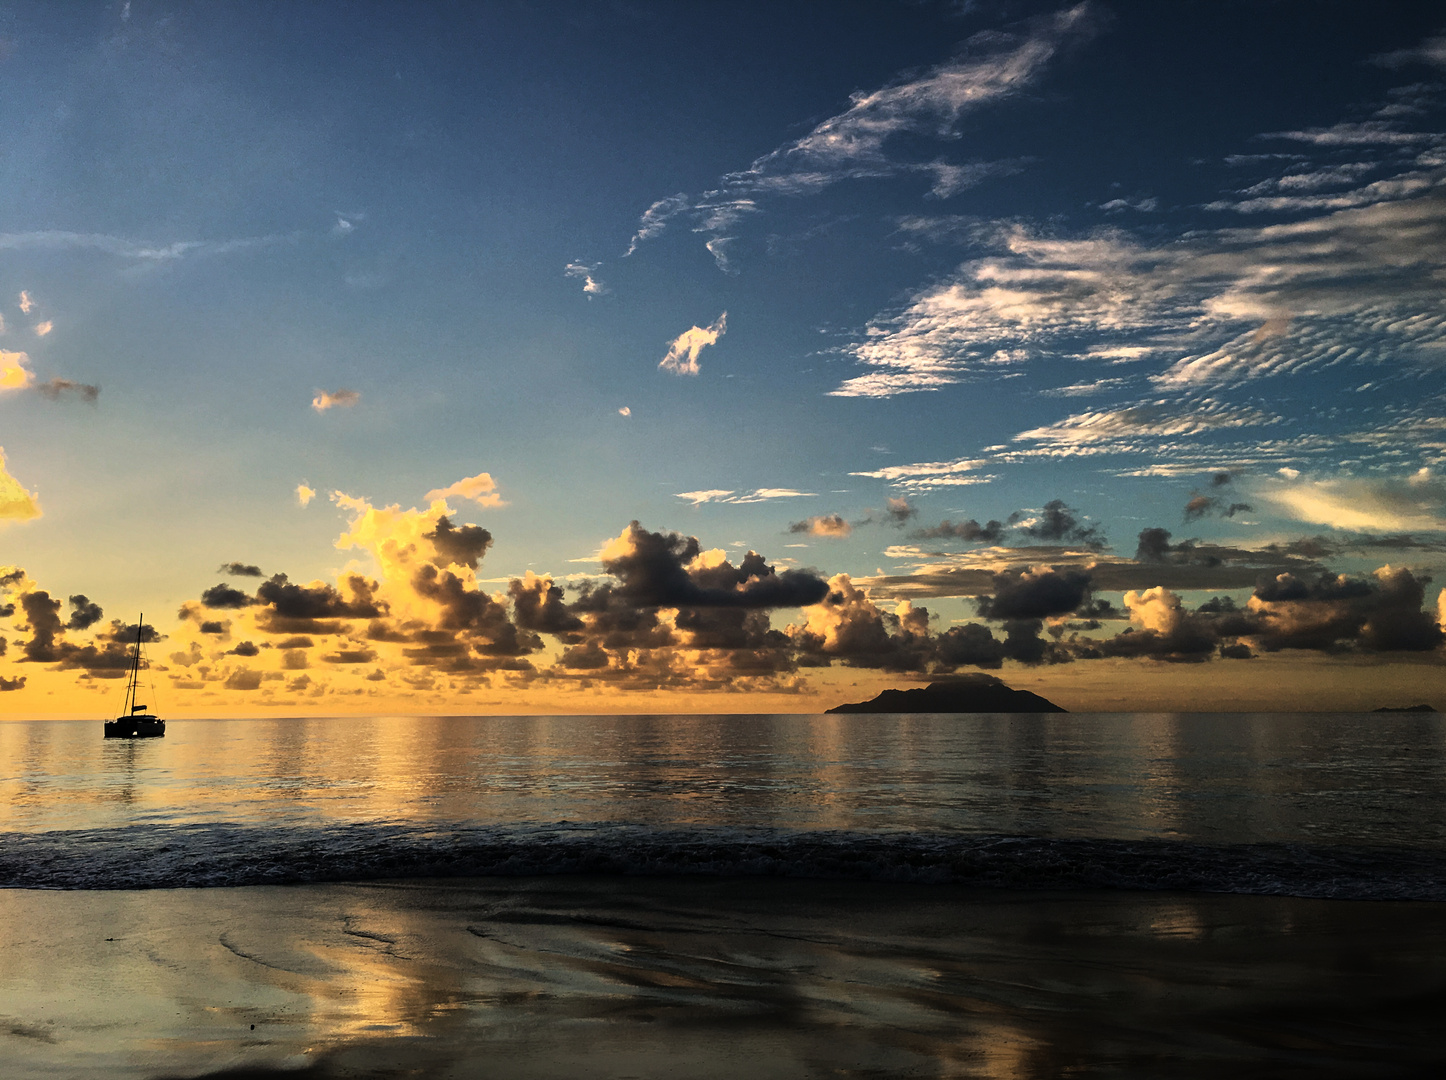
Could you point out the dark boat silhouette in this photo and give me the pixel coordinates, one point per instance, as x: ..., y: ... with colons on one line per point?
x: 135, y: 721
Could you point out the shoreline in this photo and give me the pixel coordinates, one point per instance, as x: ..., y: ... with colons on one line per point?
x: 630, y: 976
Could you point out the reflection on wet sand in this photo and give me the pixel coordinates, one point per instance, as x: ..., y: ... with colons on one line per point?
x: 652, y: 977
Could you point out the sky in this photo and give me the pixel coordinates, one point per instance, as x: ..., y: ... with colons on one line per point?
x: 647, y: 357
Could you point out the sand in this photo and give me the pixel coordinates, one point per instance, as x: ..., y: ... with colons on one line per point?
x: 637, y: 977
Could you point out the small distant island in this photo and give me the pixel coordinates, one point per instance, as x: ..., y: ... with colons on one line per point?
x: 1405, y: 708
x: 966, y: 694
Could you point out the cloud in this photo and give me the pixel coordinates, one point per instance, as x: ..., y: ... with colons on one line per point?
x: 969, y: 530
x: 831, y: 525
x: 335, y: 399
x: 655, y: 219
x: 43, y: 328
x: 26, y: 303
x: 480, y: 489
x: 1363, y: 133
x: 57, y: 388
x: 239, y: 569
x: 1058, y: 522
x: 1430, y: 51
x: 1036, y: 593
x: 16, y: 504
x: 1364, y: 504
x: 931, y: 474
x: 1156, y: 418
x: 682, y: 355
x: 304, y: 494
x: 122, y: 247
x: 15, y: 373
x: 1355, y: 285
x: 590, y: 285
x: 625, y: 411
x: 742, y: 498
x: 873, y: 137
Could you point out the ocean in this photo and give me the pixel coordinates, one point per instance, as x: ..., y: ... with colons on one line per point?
x: 922, y: 895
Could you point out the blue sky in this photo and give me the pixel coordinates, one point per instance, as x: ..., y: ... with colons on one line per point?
x: 810, y: 280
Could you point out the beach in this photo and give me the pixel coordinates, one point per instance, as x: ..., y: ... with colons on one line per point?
x: 571, y: 976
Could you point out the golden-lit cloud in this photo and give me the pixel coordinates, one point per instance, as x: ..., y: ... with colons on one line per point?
x: 625, y: 411
x: 15, y: 373
x: 480, y: 489
x: 682, y: 356
x: 16, y: 504
x: 334, y: 399
x: 823, y: 525
x: 304, y: 494
x: 1365, y: 503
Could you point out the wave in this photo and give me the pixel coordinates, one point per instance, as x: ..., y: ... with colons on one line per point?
x: 217, y: 855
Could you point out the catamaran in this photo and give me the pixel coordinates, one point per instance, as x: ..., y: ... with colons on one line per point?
x: 135, y: 721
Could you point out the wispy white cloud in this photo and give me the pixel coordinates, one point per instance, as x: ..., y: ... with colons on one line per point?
x: 1352, y: 286
x: 26, y: 303
x: 683, y: 353
x: 655, y: 219
x: 590, y: 285
x: 731, y: 497
x: 1363, y: 133
x: 860, y: 142
x: 923, y: 475
x: 1155, y: 419
x: 41, y: 329
x: 1430, y: 51
x: 334, y: 399
x: 140, y: 250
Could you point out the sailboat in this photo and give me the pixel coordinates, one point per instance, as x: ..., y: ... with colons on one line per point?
x: 135, y: 721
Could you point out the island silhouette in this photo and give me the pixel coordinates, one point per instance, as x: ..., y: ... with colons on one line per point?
x: 965, y: 694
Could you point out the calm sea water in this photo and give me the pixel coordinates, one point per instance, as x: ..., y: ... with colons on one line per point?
x: 1322, y: 805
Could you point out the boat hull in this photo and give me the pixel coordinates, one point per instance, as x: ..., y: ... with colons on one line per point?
x: 135, y: 727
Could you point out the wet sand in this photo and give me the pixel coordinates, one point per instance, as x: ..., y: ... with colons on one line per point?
x: 639, y: 977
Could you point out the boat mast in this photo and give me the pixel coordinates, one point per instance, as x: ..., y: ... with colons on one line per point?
x: 131, y: 683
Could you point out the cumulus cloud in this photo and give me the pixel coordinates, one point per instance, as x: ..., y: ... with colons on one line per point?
x: 304, y: 494
x: 15, y: 373
x: 831, y: 525
x: 682, y: 355
x: 625, y: 411
x: 16, y: 503
x: 480, y: 489
x: 334, y: 399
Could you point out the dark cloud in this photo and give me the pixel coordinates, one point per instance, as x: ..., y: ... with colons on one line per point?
x: 1382, y: 613
x: 314, y: 609
x: 213, y: 627
x: 224, y: 596
x: 245, y: 648
x: 824, y: 525
x: 538, y: 605
x: 1201, y: 506
x: 57, y: 388
x: 900, y: 511
x: 654, y: 572
x: 463, y: 546
x: 84, y: 614
x: 970, y: 531
x: 1059, y: 522
x: 1035, y: 594
x: 17, y: 683
x: 238, y: 569
x: 42, y: 615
